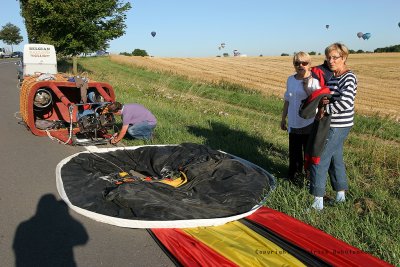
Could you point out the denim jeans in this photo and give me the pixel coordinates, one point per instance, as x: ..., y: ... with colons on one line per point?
x: 141, y: 130
x: 83, y: 113
x: 331, y: 162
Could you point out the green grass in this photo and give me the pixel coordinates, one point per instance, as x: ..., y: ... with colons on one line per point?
x: 245, y: 123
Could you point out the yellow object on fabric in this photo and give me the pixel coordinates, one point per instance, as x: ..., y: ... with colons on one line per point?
x: 242, y: 245
x: 177, y: 181
x: 123, y: 174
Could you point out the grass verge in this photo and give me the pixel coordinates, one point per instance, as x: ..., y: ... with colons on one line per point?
x: 245, y: 123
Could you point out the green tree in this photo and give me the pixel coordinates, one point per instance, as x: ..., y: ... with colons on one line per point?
x: 10, y: 34
x: 74, y: 26
x: 139, y: 52
x: 393, y: 48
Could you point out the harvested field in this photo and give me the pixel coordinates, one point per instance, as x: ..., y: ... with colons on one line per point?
x: 378, y: 87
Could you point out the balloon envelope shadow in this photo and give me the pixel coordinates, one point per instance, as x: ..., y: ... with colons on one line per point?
x: 48, y: 238
x: 241, y: 144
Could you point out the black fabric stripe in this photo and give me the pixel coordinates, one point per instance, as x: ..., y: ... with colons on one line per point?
x: 302, y: 255
x: 166, y: 251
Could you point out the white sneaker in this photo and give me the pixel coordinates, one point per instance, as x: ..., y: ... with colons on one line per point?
x: 340, y: 196
x: 318, y: 203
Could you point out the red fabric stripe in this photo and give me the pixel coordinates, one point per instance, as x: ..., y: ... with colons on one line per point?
x: 320, y: 74
x: 308, y: 160
x: 322, y: 245
x: 189, y: 251
x: 316, y: 93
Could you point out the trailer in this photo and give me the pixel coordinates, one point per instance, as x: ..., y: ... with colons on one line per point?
x: 70, y: 109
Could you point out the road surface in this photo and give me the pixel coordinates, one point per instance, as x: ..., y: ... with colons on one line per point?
x: 35, y: 226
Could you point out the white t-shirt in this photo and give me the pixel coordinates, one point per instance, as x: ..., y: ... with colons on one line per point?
x: 312, y: 85
x: 294, y: 94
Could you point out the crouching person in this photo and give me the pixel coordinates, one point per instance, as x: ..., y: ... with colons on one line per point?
x: 137, y: 121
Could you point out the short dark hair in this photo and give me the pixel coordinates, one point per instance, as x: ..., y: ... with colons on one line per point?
x: 114, y: 107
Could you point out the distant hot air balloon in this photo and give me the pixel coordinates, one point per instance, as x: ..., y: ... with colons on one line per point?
x: 399, y: 24
x: 366, y: 36
x: 153, y: 34
x: 360, y: 34
x: 327, y: 26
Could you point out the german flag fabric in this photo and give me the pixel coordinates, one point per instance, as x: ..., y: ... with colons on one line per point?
x: 265, y: 238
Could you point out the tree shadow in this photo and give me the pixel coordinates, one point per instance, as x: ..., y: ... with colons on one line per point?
x: 48, y: 238
x: 220, y: 136
x: 65, y: 66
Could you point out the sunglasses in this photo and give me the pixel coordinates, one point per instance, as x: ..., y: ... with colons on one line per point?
x: 333, y: 58
x: 298, y: 63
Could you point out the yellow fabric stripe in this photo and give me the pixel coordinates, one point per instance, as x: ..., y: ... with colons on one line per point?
x: 242, y: 245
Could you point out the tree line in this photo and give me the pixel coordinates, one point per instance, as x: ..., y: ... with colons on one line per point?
x: 388, y: 49
x: 136, y: 52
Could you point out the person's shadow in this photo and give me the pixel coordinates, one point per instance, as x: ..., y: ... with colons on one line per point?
x: 48, y: 238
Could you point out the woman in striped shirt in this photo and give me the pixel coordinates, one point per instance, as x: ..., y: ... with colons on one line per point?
x: 343, y: 86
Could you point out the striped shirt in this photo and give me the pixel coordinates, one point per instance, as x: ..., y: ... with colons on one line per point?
x: 341, y: 107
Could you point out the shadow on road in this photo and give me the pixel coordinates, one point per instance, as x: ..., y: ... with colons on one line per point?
x: 48, y: 238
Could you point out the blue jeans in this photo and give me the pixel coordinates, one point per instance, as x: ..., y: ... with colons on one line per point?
x: 83, y: 113
x: 141, y: 130
x: 91, y: 97
x: 331, y: 162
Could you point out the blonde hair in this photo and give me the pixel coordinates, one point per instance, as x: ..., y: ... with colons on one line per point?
x: 303, y: 57
x: 340, y: 48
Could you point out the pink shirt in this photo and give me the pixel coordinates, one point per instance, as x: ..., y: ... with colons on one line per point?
x: 135, y: 113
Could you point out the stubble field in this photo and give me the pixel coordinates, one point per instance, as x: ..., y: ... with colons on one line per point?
x: 378, y: 87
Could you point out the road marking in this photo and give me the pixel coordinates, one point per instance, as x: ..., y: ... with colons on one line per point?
x: 92, y: 148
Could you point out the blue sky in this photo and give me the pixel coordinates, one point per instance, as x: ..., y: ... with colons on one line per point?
x: 196, y: 28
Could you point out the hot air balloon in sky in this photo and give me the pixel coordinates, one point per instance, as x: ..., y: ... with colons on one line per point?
x: 327, y: 26
x: 153, y: 34
x: 366, y: 36
x: 398, y: 24
x: 359, y: 34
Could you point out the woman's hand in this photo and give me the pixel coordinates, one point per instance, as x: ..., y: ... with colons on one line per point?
x: 283, y: 125
x: 324, y: 101
x: 320, y: 113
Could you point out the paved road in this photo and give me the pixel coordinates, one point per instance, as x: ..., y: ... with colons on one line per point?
x: 34, y: 222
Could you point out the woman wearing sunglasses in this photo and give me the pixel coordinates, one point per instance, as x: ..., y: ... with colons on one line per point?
x: 343, y: 87
x: 298, y: 87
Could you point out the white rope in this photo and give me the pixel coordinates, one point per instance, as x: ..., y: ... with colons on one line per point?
x: 70, y: 109
x: 15, y: 115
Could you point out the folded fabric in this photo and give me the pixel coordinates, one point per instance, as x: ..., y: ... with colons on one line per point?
x: 320, y: 128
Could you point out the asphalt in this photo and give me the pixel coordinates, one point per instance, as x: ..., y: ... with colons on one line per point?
x: 36, y: 227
